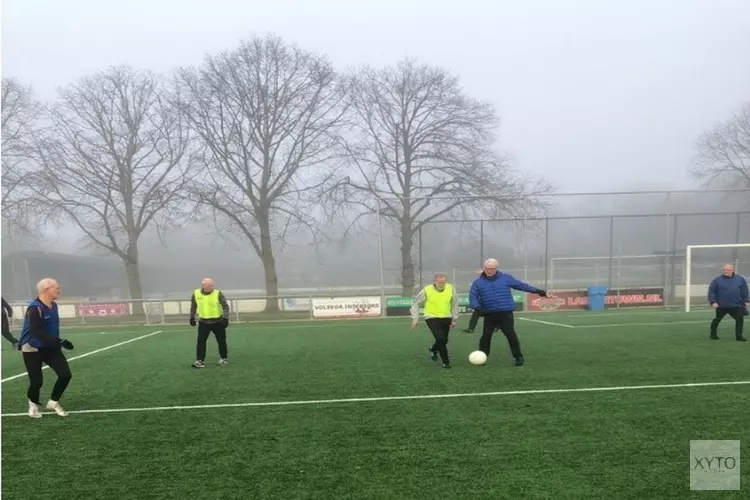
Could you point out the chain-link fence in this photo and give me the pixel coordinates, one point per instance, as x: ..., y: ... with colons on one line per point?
x: 618, y: 240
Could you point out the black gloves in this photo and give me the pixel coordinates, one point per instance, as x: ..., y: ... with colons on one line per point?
x: 66, y: 344
x: 541, y: 293
x: 480, y: 311
x: 192, y: 321
x: 225, y: 322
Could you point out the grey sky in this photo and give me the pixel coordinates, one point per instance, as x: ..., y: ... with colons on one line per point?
x: 593, y: 94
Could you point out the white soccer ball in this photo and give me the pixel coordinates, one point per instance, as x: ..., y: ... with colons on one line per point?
x: 477, y: 358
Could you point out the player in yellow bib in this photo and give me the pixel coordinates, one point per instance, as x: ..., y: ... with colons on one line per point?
x: 213, y: 316
x: 441, y: 314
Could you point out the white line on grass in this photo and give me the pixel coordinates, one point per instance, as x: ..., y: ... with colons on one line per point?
x: 399, y: 398
x: 660, y: 323
x: 97, y: 351
x: 551, y: 323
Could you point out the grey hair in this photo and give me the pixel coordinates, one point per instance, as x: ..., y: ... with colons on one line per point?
x: 45, y: 284
x: 440, y: 275
x: 490, y: 262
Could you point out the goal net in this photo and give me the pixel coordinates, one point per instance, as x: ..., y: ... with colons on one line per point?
x: 703, y: 263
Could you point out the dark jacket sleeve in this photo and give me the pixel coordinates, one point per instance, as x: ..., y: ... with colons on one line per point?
x: 36, y: 327
x: 743, y: 291
x: 193, y: 306
x: 7, y: 309
x: 712, y: 291
x: 224, y: 305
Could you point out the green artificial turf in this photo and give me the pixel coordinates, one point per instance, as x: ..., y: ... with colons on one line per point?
x: 557, y: 445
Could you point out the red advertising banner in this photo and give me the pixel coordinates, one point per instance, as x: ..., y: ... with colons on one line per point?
x: 557, y: 301
x: 101, y: 309
x: 578, y: 299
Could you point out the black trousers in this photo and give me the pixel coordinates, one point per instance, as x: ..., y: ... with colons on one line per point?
x: 474, y: 320
x: 55, y: 359
x: 505, y: 322
x: 738, y: 313
x: 440, y: 328
x: 204, y: 331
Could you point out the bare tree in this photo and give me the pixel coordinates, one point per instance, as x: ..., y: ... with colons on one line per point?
x: 266, y: 114
x: 420, y: 149
x: 723, y: 154
x: 21, y: 114
x: 113, y: 161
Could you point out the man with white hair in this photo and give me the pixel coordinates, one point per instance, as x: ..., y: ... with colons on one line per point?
x: 728, y: 294
x: 213, y: 313
x: 491, y: 295
x: 41, y: 344
x: 441, y: 313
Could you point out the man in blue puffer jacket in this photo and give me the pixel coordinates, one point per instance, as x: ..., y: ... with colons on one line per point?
x: 728, y: 294
x: 491, y: 295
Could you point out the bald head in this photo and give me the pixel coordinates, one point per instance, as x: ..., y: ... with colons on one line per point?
x: 207, y: 285
x: 727, y: 270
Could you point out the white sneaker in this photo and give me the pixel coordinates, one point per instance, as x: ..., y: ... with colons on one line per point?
x: 55, y: 406
x: 34, y: 411
x: 223, y: 362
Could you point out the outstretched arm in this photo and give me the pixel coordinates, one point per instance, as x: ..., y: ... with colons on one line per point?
x: 520, y: 285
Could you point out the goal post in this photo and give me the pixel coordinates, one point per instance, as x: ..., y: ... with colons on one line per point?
x: 689, y: 284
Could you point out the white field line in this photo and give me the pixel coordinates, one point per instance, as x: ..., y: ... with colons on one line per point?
x: 619, y: 312
x: 655, y: 323
x: 551, y: 323
x: 97, y: 351
x: 314, y: 402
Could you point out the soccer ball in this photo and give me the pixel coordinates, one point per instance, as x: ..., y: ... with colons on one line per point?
x: 477, y: 358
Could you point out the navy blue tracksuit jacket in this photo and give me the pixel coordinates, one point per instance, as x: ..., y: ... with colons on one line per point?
x: 728, y: 291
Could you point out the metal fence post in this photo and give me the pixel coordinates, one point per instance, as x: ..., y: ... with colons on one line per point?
x: 481, y: 243
x: 611, y: 250
x: 546, y: 251
x: 421, y: 256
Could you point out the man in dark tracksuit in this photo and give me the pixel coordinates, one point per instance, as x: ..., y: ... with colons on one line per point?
x: 213, y: 312
x: 728, y: 294
x: 475, y: 314
x: 41, y: 344
x: 491, y: 295
x: 8, y: 313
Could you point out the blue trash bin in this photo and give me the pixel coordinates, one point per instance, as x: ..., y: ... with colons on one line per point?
x: 596, y: 295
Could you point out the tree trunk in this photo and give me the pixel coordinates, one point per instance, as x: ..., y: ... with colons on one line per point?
x: 269, y: 269
x: 407, y: 264
x: 134, y: 283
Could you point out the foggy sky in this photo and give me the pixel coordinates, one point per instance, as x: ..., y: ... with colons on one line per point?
x: 594, y: 95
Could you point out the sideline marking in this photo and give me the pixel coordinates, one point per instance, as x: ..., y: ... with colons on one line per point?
x: 88, y: 353
x: 660, y: 323
x: 395, y: 398
x: 551, y: 323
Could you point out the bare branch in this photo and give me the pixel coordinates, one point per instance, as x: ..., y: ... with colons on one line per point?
x: 21, y: 115
x: 267, y: 116
x: 114, y: 161
x: 417, y: 140
x: 723, y: 154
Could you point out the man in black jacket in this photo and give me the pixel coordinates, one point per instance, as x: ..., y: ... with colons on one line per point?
x: 8, y: 313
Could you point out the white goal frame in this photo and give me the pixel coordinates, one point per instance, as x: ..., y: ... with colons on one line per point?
x: 689, y: 264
